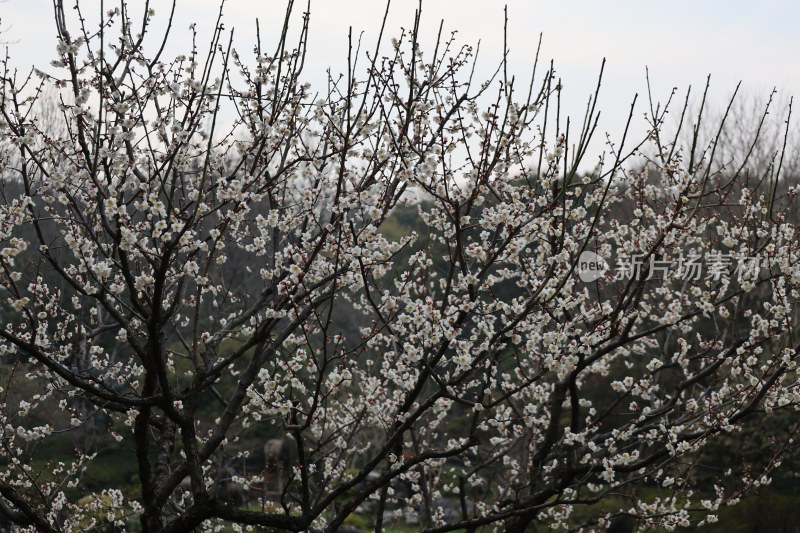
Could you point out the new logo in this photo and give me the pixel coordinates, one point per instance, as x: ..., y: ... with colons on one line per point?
x: 591, y: 267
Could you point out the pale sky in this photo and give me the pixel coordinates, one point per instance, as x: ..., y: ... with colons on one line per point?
x: 681, y: 41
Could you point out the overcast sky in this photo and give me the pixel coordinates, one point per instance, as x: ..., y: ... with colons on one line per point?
x: 681, y: 41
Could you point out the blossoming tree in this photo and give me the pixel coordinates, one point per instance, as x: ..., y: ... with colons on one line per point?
x: 186, y: 294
